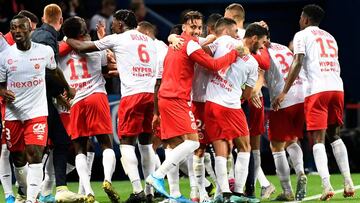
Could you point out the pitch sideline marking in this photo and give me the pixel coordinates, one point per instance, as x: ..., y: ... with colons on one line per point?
x: 315, y: 197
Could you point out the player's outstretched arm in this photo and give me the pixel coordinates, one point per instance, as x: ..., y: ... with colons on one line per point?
x: 82, y: 46
x: 293, y: 74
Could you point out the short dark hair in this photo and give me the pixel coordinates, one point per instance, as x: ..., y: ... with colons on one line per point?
x: 192, y: 15
x: 148, y: 26
x: 33, y: 18
x: 212, y: 19
x: 127, y: 16
x: 222, y: 23
x: 20, y: 17
x: 176, y: 29
x: 255, y: 29
x: 314, y: 12
x: 72, y: 27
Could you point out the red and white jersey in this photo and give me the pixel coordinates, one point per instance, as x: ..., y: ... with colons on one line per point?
x: 3, y: 43
x: 161, y: 50
x: 224, y: 86
x: 83, y: 72
x: 281, y: 59
x: 321, y: 64
x: 136, y: 60
x: 200, y: 82
x: 24, y: 73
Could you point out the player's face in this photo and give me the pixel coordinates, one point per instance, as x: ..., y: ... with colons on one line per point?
x: 116, y: 26
x: 20, y: 30
x: 193, y: 27
x: 258, y: 43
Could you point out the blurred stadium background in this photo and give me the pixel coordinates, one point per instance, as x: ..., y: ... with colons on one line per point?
x: 282, y: 16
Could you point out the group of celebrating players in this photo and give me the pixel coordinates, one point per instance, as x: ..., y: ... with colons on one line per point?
x: 186, y: 97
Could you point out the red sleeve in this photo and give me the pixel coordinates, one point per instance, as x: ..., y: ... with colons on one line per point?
x: 263, y: 59
x: 64, y: 48
x: 199, y: 56
x: 8, y: 37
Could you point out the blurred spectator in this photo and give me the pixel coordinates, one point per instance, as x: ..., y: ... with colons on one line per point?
x: 107, y: 9
x: 72, y: 8
x: 139, y: 8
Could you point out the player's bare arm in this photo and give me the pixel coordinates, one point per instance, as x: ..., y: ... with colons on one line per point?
x: 8, y: 95
x: 82, y: 46
x: 247, y: 92
x: 59, y: 77
x: 156, y: 118
x: 293, y: 74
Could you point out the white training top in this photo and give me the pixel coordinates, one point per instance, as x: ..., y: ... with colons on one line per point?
x: 24, y: 73
x: 224, y: 87
x: 321, y: 63
x: 161, y: 51
x: 281, y: 59
x: 83, y: 72
x: 136, y: 60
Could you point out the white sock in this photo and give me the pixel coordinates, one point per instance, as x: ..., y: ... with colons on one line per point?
x: 264, y: 182
x: 34, y: 178
x: 230, y: 166
x: 341, y: 156
x: 83, y: 172
x: 173, y: 177
x: 321, y: 162
x: 190, y: 164
x: 69, y: 168
x: 90, y: 156
x: 183, y: 167
x: 296, y: 156
x: 178, y: 154
x: 147, y: 163
x: 221, y: 173
x: 241, y: 171
x: 257, y: 162
x: 130, y: 164
x: 206, y: 181
x: 283, y: 171
x: 21, y: 176
x: 108, y: 162
x: 5, y: 171
x: 157, y: 161
x: 49, y: 176
x: 199, y: 173
x: 208, y: 166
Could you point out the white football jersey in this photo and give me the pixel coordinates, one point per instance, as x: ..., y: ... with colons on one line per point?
x: 241, y: 33
x: 136, y: 60
x: 224, y: 87
x: 200, y: 82
x: 24, y: 74
x: 281, y: 59
x: 83, y: 72
x: 161, y: 50
x: 321, y: 64
x: 3, y: 43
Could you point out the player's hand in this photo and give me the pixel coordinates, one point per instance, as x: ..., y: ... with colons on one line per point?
x: 263, y: 24
x: 63, y: 102
x: 70, y: 94
x: 242, y: 51
x: 8, y: 95
x: 155, y: 122
x: 277, y: 102
x: 110, y: 56
x: 177, y: 43
x: 100, y: 29
x: 256, y: 101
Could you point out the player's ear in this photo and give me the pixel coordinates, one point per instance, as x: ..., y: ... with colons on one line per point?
x: 183, y: 27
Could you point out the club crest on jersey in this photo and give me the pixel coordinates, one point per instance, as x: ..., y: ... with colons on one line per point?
x: 10, y: 61
x: 37, y: 66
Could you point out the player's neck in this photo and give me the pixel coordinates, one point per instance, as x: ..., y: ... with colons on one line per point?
x: 26, y: 45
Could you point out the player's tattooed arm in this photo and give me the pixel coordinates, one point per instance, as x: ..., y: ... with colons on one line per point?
x: 8, y: 95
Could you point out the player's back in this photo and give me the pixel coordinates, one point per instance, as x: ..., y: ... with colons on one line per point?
x: 321, y: 63
x: 224, y: 86
x: 281, y: 59
x: 83, y: 72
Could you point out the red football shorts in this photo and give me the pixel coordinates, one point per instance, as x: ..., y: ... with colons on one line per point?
x: 30, y: 132
x: 135, y: 114
x: 256, y: 119
x: 323, y: 109
x: 90, y: 116
x: 222, y: 123
x: 198, y: 108
x: 176, y: 118
x: 287, y: 124
x: 65, y: 119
